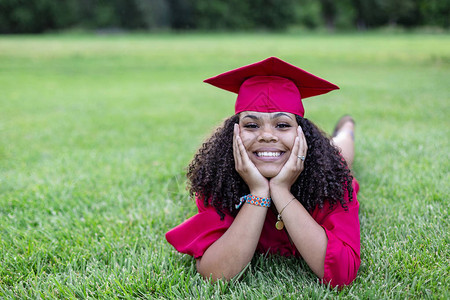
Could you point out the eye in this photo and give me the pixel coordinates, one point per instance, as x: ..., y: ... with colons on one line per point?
x: 283, y: 125
x: 251, y: 125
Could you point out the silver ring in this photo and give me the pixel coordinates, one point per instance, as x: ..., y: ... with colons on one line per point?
x: 302, y: 157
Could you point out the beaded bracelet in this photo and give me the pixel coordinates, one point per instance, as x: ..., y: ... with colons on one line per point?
x: 255, y: 200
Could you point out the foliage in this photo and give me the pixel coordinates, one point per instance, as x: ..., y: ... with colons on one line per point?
x: 37, y: 16
x: 436, y: 12
x: 251, y: 14
x: 308, y: 14
x: 222, y: 14
x: 33, y: 16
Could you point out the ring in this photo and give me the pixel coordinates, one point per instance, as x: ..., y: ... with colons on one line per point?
x: 302, y: 157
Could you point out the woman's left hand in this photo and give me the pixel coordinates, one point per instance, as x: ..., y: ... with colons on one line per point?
x: 294, y: 166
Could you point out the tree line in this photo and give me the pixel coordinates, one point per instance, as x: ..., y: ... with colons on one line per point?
x: 36, y: 16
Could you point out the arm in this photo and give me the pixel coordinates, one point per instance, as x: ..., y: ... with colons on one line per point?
x: 234, y: 250
x: 229, y: 255
x: 308, y: 236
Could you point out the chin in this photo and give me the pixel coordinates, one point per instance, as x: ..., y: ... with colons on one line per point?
x: 270, y: 173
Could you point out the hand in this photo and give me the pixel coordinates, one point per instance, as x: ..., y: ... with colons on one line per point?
x: 258, y: 184
x: 294, y: 166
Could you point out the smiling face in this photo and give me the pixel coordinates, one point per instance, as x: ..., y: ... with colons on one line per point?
x: 268, y: 139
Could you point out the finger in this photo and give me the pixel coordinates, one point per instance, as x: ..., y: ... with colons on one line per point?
x: 298, y: 152
x: 236, y: 152
x: 240, y: 146
x: 303, y: 145
x: 292, y: 160
x: 243, y: 153
x: 292, y: 167
x: 293, y: 157
x: 295, y: 149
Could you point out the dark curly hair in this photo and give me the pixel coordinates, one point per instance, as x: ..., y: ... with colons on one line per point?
x: 212, y: 175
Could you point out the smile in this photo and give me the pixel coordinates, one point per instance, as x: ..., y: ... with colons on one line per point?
x: 268, y: 154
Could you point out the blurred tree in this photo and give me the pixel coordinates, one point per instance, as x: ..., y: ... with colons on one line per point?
x: 18, y: 16
x: 128, y: 14
x: 369, y: 14
x: 181, y: 14
x: 155, y: 13
x: 435, y: 12
x: 361, y: 9
x: 104, y: 16
x: 329, y: 12
x: 338, y: 14
x: 271, y: 14
x: 399, y: 11
x: 308, y: 13
x: 221, y: 14
x: 345, y: 14
x: 373, y: 13
x: 34, y: 16
x: 237, y: 14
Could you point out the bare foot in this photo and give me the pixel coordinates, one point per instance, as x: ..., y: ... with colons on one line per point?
x: 343, y: 138
x: 345, y: 124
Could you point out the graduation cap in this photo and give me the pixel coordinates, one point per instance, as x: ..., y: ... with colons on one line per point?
x: 271, y: 85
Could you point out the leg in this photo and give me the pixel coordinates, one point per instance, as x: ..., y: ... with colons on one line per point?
x: 343, y: 139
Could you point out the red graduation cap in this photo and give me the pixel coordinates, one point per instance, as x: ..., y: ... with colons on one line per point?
x: 271, y: 85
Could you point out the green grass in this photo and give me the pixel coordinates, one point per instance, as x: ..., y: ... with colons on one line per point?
x: 95, y: 133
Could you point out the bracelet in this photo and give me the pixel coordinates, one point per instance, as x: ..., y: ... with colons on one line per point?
x: 280, y: 224
x: 255, y: 200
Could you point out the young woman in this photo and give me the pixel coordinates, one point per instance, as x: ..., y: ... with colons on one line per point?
x: 270, y: 181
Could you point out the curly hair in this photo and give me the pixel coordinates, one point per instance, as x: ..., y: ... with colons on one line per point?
x: 212, y: 175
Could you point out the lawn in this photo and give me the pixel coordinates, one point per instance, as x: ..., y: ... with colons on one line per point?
x: 96, y: 132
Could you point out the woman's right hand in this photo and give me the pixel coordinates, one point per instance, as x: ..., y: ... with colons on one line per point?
x: 258, y: 184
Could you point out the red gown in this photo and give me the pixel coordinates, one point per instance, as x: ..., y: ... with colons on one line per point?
x: 342, y: 258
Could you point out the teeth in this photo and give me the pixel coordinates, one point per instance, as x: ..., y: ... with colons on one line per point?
x: 268, y: 154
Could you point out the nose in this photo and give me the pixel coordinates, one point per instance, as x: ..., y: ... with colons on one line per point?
x: 267, y: 136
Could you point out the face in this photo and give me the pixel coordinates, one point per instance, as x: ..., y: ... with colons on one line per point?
x: 268, y: 139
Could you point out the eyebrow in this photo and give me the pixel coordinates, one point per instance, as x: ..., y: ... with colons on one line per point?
x: 277, y: 115
x: 251, y: 117
x: 280, y: 114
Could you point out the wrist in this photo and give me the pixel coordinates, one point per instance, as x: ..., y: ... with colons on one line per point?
x: 279, y: 182
x: 279, y: 189
x: 262, y: 193
x: 254, y: 200
x: 279, y: 196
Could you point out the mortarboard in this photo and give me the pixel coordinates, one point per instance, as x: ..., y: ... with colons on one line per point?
x: 271, y: 85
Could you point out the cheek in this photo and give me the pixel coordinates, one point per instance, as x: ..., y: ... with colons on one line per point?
x: 247, y: 139
x: 290, y: 140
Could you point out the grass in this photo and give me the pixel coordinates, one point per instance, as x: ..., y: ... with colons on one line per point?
x: 95, y: 133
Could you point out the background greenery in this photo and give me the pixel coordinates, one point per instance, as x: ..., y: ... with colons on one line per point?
x: 95, y: 133
x: 31, y: 16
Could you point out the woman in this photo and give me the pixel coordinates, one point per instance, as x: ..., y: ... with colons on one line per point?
x: 270, y: 181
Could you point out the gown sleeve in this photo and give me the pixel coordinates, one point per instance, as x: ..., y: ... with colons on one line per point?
x: 342, y: 227
x: 197, y: 233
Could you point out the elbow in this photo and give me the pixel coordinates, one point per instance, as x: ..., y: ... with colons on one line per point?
x: 320, y: 274
x: 212, y: 274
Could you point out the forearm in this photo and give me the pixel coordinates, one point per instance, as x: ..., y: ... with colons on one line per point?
x: 307, y: 235
x: 234, y: 250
